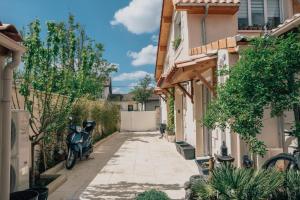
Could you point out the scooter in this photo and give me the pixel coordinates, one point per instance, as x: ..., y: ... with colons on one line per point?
x: 79, y: 141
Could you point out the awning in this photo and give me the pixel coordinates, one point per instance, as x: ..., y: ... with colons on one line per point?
x: 190, y: 69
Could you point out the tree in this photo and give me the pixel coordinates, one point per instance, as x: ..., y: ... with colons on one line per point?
x: 143, y: 90
x: 266, y: 76
x: 58, y: 70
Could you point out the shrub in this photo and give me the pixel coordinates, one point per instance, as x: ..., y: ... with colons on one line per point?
x: 80, y: 111
x: 152, y: 195
x: 291, y: 187
x: 108, y: 116
x: 230, y: 183
x: 292, y: 184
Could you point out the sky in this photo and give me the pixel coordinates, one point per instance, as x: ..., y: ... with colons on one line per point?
x: 127, y: 28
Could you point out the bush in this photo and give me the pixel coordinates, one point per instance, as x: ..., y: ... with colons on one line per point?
x: 230, y: 183
x: 108, y: 116
x: 152, y: 195
x: 80, y: 111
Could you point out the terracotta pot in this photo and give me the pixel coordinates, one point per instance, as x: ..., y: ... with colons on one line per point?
x: 171, y: 138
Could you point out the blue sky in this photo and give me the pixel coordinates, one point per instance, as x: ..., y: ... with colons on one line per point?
x: 127, y: 28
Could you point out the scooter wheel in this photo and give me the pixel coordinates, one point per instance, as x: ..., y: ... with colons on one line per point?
x: 71, y: 159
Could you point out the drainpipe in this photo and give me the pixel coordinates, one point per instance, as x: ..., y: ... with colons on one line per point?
x: 6, y: 79
x: 203, y: 24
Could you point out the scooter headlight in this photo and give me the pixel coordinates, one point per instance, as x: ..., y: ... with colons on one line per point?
x: 78, y: 129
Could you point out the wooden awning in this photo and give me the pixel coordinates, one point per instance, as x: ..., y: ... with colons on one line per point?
x: 190, y: 69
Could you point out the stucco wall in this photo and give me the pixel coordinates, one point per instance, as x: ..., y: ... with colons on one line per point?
x: 138, y: 121
x: 163, y: 111
x: 151, y: 105
x: 217, y: 27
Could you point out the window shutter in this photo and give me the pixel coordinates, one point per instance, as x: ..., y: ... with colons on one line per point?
x: 273, y: 8
x: 243, y: 11
x: 257, y: 6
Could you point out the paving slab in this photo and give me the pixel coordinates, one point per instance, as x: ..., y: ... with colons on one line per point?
x: 126, y: 165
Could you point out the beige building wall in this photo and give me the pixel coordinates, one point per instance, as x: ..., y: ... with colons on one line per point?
x: 138, y: 121
x: 217, y: 27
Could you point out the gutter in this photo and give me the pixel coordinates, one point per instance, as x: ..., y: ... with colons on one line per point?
x: 203, y: 24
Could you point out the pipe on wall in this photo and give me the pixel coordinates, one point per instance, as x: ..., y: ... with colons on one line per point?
x: 203, y: 24
x: 5, y: 118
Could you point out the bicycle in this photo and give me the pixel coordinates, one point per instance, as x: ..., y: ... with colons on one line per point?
x: 289, y: 161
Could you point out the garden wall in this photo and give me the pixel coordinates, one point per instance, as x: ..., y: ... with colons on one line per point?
x: 139, y: 121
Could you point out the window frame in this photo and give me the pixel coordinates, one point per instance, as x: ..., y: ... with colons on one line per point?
x: 249, y: 9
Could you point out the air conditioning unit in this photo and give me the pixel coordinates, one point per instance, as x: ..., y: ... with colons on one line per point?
x: 20, y: 151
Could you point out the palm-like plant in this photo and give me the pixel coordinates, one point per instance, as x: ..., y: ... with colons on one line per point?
x: 230, y: 183
x: 292, y: 184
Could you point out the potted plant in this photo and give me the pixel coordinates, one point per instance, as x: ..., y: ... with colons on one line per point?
x: 170, y: 133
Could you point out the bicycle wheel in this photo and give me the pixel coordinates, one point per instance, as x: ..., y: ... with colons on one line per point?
x: 283, y: 162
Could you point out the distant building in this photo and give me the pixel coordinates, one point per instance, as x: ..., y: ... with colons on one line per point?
x: 107, y: 90
x: 128, y: 104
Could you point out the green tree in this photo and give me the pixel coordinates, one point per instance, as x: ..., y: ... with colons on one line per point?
x: 143, y: 90
x: 266, y: 76
x: 58, y: 70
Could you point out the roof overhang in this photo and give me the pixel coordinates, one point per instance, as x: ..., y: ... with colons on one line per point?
x: 165, y: 26
x: 189, y: 70
x: 286, y: 26
x: 215, y: 6
x: 10, y: 44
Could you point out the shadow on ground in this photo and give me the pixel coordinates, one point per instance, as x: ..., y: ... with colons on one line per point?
x: 122, y: 190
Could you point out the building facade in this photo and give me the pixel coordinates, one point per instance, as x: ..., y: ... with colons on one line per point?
x: 196, y: 39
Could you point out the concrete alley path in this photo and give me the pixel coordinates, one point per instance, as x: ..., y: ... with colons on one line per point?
x: 125, y: 165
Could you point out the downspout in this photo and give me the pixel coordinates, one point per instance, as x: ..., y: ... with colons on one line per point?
x: 7, y: 77
x: 203, y: 24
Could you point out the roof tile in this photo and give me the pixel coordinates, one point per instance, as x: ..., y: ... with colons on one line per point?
x: 208, y: 1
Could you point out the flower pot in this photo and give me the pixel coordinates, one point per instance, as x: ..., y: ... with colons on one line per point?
x: 171, y: 138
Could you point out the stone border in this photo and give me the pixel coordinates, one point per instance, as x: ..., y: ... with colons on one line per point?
x: 54, y: 169
x: 97, y: 144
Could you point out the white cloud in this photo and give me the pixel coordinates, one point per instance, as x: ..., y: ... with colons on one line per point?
x: 131, y: 76
x: 146, y: 56
x: 117, y: 91
x: 140, y: 16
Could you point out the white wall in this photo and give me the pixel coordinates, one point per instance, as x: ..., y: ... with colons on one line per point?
x: 138, y: 121
x: 163, y: 111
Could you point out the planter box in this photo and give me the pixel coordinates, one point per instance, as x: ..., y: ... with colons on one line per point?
x: 202, y: 165
x: 186, y: 150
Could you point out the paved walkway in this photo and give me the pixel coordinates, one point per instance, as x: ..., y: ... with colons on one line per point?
x: 125, y: 165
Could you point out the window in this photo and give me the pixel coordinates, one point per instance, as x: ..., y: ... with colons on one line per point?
x: 130, y: 107
x: 177, y: 32
x: 243, y: 14
x: 273, y: 13
x: 255, y: 14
